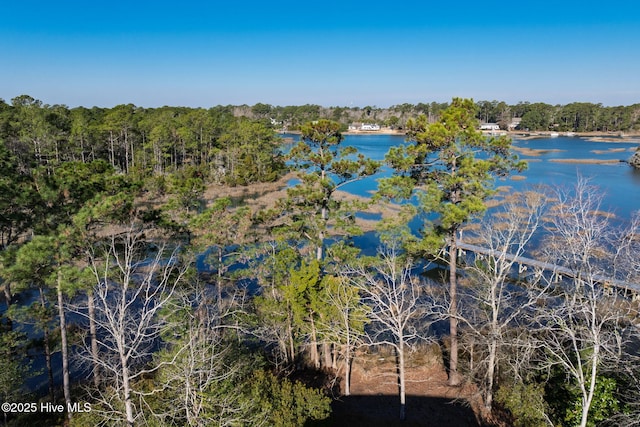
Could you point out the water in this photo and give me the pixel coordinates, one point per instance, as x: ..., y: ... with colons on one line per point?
x: 619, y: 182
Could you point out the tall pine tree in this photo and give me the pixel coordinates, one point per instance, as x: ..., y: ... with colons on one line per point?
x: 450, y: 166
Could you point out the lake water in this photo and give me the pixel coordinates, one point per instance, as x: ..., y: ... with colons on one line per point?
x: 619, y: 182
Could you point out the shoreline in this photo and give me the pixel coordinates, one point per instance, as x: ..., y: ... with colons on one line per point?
x: 595, y: 136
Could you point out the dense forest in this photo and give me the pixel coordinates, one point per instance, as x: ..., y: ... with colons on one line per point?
x: 145, y: 292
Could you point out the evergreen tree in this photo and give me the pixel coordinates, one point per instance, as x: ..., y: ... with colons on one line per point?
x: 450, y: 166
x: 324, y: 166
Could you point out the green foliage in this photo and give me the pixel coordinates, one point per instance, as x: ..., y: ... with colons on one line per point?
x: 15, y: 367
x: 221, y: 225
x: 207, y: 381
x: 604, y: 404
x: 186, y: 188
x: 345, y: 315
x: 537, y: 116
x: 64, y: 192
x: 526, y: 402
x: 70, y: 177
x: 283, y: 403
x: 565, y: 401
x: 450, y: 166
x: 324, y: 166
x: 247, y: 153
x: 34, y: 262
x: 302, y: 291
x: 17, y: 199
x: 92, y: 418
x: 102, y: 210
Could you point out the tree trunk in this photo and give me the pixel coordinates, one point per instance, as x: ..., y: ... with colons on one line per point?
x: 347, y: 369
x: 219, y: 280
x: 64, y: 344
x: 93, y: 337
x: 400, y: 350
x: 7, y: 293
x: 320, y: 249
x: 454, y: 376
x: 588, y: 398
x: 112, y: 156
x: 47, y: 349
x: 326, y: 354
x: 82, y: 157
x: 8, y: 297
x: 128, y: 404
x: 313, y: 347
x: 292, y: 351
x: 491, y: 369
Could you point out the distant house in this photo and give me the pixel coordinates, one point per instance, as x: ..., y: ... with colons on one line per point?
x: 369, y: 126
x: 515, y: 123
x: 489, y: 126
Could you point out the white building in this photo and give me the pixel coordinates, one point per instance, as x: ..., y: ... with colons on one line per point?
x: 489, y: 126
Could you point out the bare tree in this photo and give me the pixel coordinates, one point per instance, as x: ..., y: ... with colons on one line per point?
x: 396, y: 304
x: 580, y: 325
x: 492, y: 304
x: 195, y: 386
x: 345, y: 325
x: 626, y: 264
x: 132, y: 291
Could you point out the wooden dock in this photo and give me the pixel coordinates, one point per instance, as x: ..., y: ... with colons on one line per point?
x: 557, y: 270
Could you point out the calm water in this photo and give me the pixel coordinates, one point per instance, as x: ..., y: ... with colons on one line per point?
x: 619, y: 182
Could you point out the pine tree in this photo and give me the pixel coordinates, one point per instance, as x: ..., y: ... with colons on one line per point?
x: 451, y: 167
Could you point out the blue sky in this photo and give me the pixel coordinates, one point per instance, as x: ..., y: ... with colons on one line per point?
x: 206, y: 53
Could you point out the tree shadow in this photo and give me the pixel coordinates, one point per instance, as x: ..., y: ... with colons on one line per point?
x: 383, y: 410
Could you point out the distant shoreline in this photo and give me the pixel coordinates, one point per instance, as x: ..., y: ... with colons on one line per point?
x: 594, y: 136
x: 382, y: 131
x: 598, y: 136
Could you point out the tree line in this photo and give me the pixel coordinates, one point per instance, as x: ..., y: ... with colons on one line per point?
x: 538, y: 116
x: 176, y: 309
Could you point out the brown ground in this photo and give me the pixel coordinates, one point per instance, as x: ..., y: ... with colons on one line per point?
x: 265, y: 195
x: 430, y: 401
x: 256, y: 196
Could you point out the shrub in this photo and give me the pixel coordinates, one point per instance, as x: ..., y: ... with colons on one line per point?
x: 525, y: 402
x: 287, y: 404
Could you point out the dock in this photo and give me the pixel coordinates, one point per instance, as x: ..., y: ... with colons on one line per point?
x: 557, y: 270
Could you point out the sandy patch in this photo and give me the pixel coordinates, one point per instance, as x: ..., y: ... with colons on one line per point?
x: 587, y: 161
x: 385, y: 210
x: 613, y: 139
x: 610, y: 150
x: 534, y: 152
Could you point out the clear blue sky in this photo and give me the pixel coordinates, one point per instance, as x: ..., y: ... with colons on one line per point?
x: 206, y: 53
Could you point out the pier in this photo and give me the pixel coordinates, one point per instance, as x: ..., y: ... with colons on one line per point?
x: 557, y: 270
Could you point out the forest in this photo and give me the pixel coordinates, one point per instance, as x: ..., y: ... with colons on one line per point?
x: 141, y: 291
